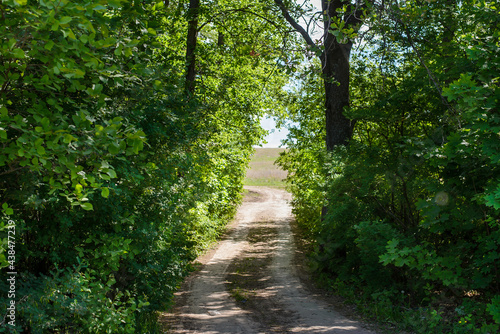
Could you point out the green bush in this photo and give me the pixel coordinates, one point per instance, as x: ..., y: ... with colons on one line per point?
x: 114, y: 176
x: 411, y: 226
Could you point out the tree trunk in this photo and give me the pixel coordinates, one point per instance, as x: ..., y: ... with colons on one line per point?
x: 192, y: 36
x: 336, y: 73
x: 335, y: 67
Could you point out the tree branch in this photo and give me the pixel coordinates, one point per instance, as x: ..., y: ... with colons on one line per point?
x: 234, y: 10
x: 294, y: 24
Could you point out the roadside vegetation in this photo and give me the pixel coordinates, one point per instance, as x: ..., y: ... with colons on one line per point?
x: 126, y: 128
x: 405, y: 218
x: 117, y: 165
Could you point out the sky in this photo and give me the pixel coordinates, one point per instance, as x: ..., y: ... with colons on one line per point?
x: 275, y: 136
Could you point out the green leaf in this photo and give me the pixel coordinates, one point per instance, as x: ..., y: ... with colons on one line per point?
x: 111, y: 173
x: 494, y: 309
x: 114, y: 3
x: 40, y: 150
x: 113, y: 148
x: 79, y: 73
x: 65, y: 20
x: 18, y: 53
x: 493, y: 200
x: 8, y: 211
x: 68, y: 138
x: 105, y: 192
x: 69, y: 33
x: 49, y: 45
x: 87, y: 206
x: 97, y: 88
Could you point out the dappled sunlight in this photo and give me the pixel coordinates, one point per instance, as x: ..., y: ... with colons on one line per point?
x: 248, y: 285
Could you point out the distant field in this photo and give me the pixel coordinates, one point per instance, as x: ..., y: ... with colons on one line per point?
x: 262, y: 171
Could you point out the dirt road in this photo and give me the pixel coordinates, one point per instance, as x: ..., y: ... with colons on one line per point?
x: 248, y: 284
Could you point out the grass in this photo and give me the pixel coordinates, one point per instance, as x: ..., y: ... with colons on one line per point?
x: 262, y: 171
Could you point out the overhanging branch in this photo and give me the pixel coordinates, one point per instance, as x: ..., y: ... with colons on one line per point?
x: 246, y: 9
x: 294, y: 24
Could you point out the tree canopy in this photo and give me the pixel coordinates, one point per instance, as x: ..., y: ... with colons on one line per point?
x: 114, y: 176
x: 126, y: 127
x: 412, y: 200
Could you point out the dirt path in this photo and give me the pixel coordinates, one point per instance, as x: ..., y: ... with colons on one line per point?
x: 248, y: 284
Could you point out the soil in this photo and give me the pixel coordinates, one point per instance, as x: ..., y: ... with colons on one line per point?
x: 255, y: 280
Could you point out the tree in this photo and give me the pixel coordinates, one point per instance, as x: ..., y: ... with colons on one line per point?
x: 341, y: 20
x: 192, y: 36
x: 414, y: 198
x: 118, y: 165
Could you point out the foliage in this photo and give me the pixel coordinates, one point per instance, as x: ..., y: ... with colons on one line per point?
x: 73, y: 300
x: 304, y: 157
x: 114, y: 176
x: 412, y: 201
